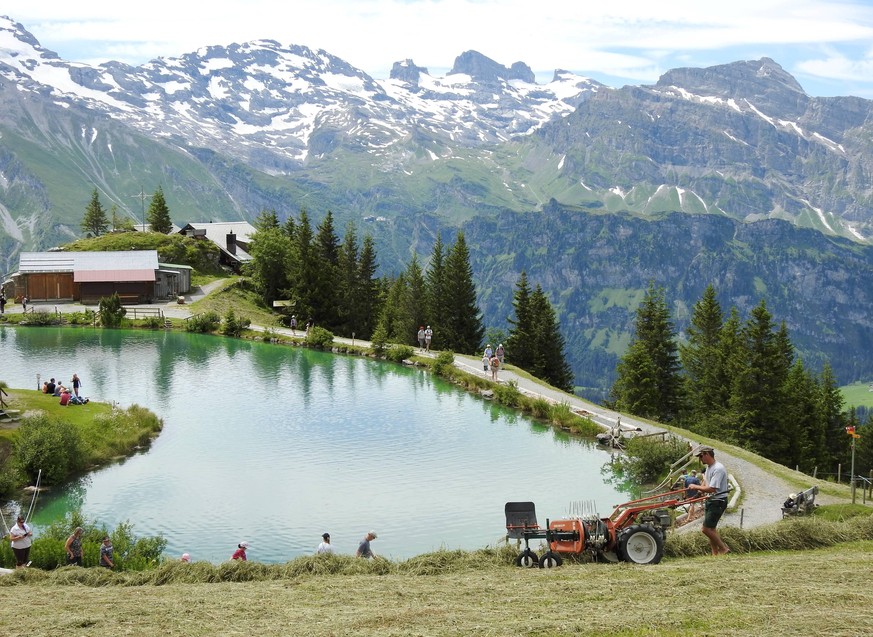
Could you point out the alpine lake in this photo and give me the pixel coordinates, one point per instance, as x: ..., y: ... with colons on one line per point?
x: 275, y: 445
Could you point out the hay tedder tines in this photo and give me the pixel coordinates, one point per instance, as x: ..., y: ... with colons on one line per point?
x: 635, y: 532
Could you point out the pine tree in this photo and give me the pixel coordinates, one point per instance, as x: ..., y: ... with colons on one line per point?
x: 706, y: 385
x: 325, y: 285
x: 519, y: 344
x: 347, y: 283
x: 550, y: 363
x: 830, y: 402
x: 266, y: 220
x: 159, y: 214
x: 368, y: 303
x: 758, y: 398
x: 302, y: 271
x: 415, y: 299
x: 437, y: 293
x: 801, y: 411
x: 648, y: 382
x: 463, y: 329
x: 95, y: 221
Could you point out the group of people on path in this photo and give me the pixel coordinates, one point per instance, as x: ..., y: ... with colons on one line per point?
x: 493, y: 359
x: 425, y: 336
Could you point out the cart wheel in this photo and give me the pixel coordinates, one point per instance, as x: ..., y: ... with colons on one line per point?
x: 641, y: 544
x: 527, y: 559
x: 550, y: 560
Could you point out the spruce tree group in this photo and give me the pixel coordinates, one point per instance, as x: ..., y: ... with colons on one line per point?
x: 535, y: 342
x: 738, y: 381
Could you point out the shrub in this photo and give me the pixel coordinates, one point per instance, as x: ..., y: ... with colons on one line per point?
x: 444, y: 364
x: 648, y: 459
x: 51, y: 445
x: 560, y: 414
x: 319, y: 337
x: 111, y: 311
x: 232, y: 325
x: 379, y: 339
x: 152, y: 323
x: 399, y: 353
x: 130, y: 552
x: 203, y: 323
x: 507, y: 394
x: 540, y: 408
x: 41, y: 317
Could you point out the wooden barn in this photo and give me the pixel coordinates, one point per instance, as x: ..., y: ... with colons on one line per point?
x: 87, y: 276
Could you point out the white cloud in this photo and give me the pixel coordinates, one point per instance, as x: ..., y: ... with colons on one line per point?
x: 635, y: 39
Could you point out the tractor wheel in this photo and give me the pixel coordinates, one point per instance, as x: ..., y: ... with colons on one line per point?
x: 527, y: 559
x: 641, y: 544
x: 550, y: 560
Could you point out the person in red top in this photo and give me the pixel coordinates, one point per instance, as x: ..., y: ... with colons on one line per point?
x: 240, y: 553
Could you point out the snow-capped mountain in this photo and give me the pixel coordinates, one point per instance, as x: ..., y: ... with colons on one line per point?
x: 264, y: 102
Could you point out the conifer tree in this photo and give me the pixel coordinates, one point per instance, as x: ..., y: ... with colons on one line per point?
x: 519, y: 343
x: 347, y: 283
x: 437, y: 310
x: 550, y: 363
x: 758, y: 398
x: 833, y: 421
x: 94, y: 221
x: 801, y: 410
x: 463, y: 329
x: 368, y: 303
x: 648, y: 382
x: 302, y: 271
x: 415, y: 299
x: 266, y: 220
x: 325, y: 284
x: 707, y: 388
x: 159, y: 214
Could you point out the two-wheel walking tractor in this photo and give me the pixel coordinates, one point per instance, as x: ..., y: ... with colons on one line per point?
x: 635, y: 532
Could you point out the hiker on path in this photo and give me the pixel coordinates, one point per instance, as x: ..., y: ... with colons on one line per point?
x: 428, y: 335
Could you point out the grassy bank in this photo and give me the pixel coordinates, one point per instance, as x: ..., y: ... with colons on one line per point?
x: 63, y: 440
x: 828, y: 591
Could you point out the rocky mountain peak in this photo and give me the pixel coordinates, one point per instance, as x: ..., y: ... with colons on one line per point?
x: 484, y: 69
x: 736, y: 79
x: 407, y: 71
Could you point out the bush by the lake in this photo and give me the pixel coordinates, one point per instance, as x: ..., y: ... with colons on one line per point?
x: 41, y: 317
x: 117, y: 433
x: 647, y: 460
x: 111, y: 311
x: 153, y: 322
x: 234, y: 326
x: 507, y: 394
x: 319, y: 337
x: 203, y: 323
x: 444, y: 362
x: 88, y: 317
x: 131, y: 553
x: 51, y: 445
x: 399, y: 353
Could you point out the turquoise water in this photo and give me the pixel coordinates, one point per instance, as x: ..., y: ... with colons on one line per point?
x: 276, y: 445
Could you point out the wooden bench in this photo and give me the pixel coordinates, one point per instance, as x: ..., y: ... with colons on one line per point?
x: 129, y: 299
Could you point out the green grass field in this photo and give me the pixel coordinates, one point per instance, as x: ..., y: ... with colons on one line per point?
x: 857, y: 395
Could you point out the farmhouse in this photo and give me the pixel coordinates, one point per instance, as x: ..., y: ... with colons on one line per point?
x: 233, y: 239
x: 135, y: 275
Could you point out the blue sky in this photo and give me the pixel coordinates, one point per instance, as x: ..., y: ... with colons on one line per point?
x: 826, y: 44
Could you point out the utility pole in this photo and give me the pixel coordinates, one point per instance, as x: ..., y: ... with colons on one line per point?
x: 142, y: 197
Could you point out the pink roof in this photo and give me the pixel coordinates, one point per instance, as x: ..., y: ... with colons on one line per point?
x: 115, y: 276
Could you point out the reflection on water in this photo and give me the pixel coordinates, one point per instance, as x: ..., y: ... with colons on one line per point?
x: 276, y: 445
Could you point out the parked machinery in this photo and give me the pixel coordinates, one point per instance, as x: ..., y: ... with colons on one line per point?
x: 635, y: 532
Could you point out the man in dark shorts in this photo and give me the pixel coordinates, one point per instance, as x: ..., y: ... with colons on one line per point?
x: 717, y: 485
